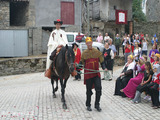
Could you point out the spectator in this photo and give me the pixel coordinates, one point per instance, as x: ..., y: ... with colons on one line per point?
x: 117, y: 43
x: 130, y: 89
x: 77, y: 53
x: 108, y: 60
x: 127, y: 50
x: 132, y: 42
x: 136, y: 40
x: 125, y: 76
x: 147, y: 37
x: 106, y: 38
x: 144, y: 47
x: 79, y: 37
x: 156, y: 59
x: 136, y: 35
x: 154, y: 40
x: 145, y: 58
x: 143, y: 86
x: 152, y: 53
x: 100, y: 38
x: 154, y: 86
x: 129, y: 39
x: 112, y: 47
x: 124, y: 40
x: 137, y: 52
x: 141, y: 36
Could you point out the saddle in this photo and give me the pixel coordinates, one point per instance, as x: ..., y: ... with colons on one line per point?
x: 53, y: 58
x: 58, y: 49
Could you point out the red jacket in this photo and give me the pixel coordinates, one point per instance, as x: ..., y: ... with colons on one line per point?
x: 77, y: 55
x: 157, y: 80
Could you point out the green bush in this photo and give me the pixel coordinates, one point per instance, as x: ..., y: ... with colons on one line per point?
x: 138, y: 15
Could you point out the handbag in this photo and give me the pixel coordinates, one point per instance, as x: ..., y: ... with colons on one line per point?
x: 48, y: 73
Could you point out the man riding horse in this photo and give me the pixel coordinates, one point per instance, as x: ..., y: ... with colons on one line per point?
x: 57, y: 39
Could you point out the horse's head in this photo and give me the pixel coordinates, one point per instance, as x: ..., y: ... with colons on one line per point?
x: 70, y: 57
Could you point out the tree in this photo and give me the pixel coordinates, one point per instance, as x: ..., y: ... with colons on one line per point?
x: 138, y: 15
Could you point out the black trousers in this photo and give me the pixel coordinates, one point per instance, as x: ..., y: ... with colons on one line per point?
x: 123, y: 49
x: 143, y: 88
x: 98, y: 88
x: 154, y: 96
x: 117, y: 48
x: 120, y: 84
x: 78, y: 76
x: 153, y: 89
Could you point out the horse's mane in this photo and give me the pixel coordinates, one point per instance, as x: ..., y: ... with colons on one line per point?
x: 63, y: 51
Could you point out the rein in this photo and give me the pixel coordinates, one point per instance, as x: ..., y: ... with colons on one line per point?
x: 78, y: 65
x: 92, y: 71
x: 69, y: 64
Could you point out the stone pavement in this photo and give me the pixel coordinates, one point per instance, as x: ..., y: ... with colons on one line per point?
x: 29, y: 97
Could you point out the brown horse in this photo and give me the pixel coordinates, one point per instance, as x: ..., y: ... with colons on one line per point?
x: 64, y: 66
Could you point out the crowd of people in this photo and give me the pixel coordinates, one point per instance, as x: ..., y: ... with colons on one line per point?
x: 138, y: 75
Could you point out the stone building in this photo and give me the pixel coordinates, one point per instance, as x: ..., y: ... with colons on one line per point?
x: 152, y: 25
x: 153, y: 10
x: 102, y: 16
x: 36, y: 19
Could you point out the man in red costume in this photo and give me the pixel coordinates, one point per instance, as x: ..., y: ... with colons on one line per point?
x: 90, y: 59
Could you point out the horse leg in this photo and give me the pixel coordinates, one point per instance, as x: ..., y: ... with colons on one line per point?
x: 63, y: 92
x: 52, y: 82
x: 65, y: 81
x: 56, y: 85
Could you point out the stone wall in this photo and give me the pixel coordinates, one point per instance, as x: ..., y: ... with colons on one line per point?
x: 4, y: 14
x: 20, y: 66
x: 119, y: 60
x: 147, y: 28
x: 153, y: 10
x: 32, y: 65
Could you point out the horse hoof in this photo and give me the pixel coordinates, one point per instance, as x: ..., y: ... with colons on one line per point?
x: 56, y: 89
x: 54, y: 96
x: 62, y: 100
x: 64, y: 106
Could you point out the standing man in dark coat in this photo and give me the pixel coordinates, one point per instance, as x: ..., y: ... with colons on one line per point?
x: 117, y: 43
x: 90, y: 59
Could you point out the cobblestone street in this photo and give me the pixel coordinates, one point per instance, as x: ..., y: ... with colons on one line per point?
x: 29, y: 97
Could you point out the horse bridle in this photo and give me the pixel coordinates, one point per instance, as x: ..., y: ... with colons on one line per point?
x: 66, y: 61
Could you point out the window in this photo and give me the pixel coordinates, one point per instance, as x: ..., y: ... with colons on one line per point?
x: 67, y: 12
x: 70, y: 38
x: 19, y: 13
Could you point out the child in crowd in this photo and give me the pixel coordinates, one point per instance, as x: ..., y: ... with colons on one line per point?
x: 143, y: 86
x: 145, y: 58
x: 154, y: 86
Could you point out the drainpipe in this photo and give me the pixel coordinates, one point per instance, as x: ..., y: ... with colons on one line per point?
x: 88, y: 25
x: 80, y: 26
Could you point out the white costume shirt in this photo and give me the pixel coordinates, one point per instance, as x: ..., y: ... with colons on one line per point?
x: 54, y: 43
x: 137, y: 52
x: 106, y: 38
x: 131, y: 66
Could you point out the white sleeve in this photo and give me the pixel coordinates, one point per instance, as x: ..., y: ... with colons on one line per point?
x: 51, y: 40
x: 112, y: 54
x: 64, y: 37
